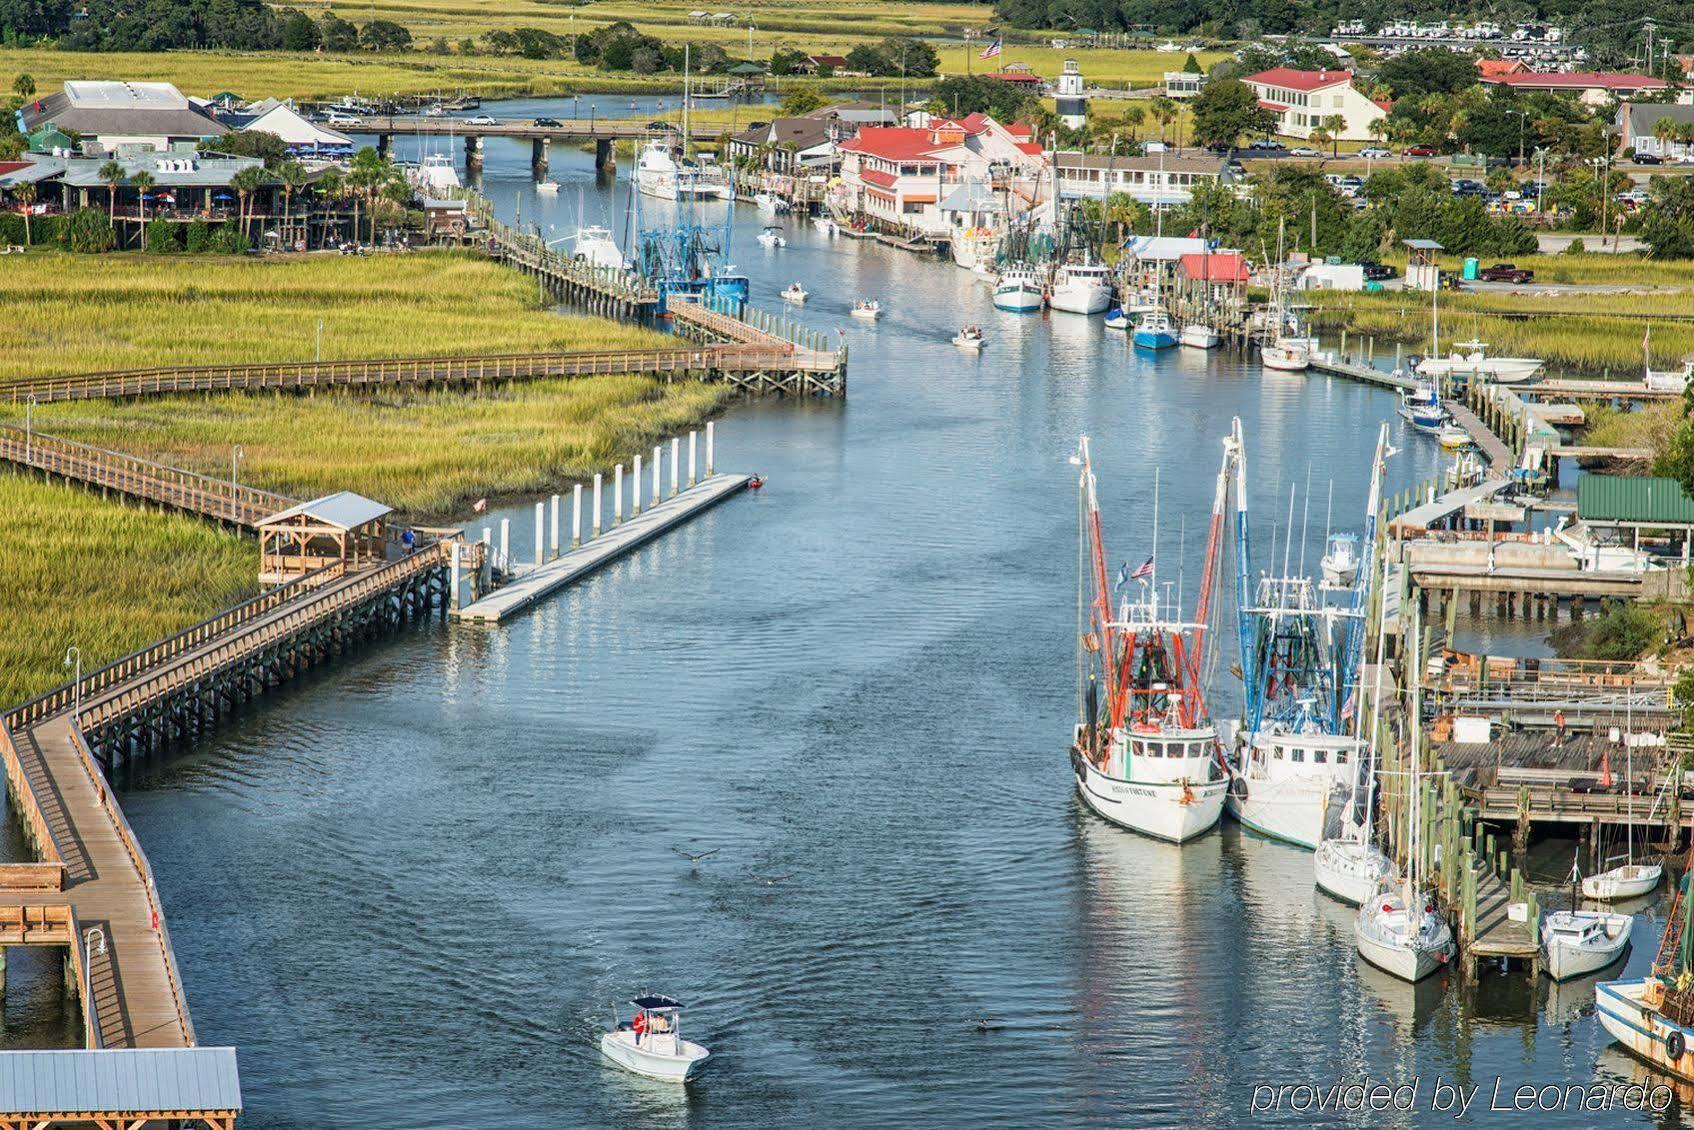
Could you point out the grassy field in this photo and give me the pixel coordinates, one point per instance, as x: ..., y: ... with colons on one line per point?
x: 429, y: 454
x: 108, y: 579
x: 137, y: 311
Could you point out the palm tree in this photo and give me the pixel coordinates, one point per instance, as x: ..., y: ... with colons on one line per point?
x: 330, y: 187
x: 1164, y: 112
x: 24, y: 85
x: 1665, y: 129
x: 24, y: 194
x: 1335, y: 125
x: 113, y: 174
x: 1133, y: 115
x: 366, y: 174
x: 294, y: 177
x: 143, y: 182
x: 1320, y: 137
x: 247, y: 183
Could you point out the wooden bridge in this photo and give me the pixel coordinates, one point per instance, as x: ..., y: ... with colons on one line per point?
x: 90, y: 888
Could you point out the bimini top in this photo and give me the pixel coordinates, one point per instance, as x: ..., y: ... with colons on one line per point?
x: 656, y: 1001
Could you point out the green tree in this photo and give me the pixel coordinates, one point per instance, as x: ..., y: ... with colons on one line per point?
x: 801, y: 100
x: 787, y: 61
x: 161, y: 238
x: 1163, y: 111
x: 1427, y: 70
x: 959, y: 95
x: 384, y: 35
x: 299, y: 33
x: 113, y: 174
x: 246, y: 184
x: 1225, y: 111
x: 24, y: 85
x: 867, y: 60
x: 1335, y: 125
x: 1363, y: 241
x: 268, y: 147
x: 294, y: 177
x: 1191, y: 65
x: 336, y: 34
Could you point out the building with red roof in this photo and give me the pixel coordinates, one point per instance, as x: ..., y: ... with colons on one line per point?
x: 1305, y: 101
x: 1216, y: 267
x: 898, y: 175
x: 1495, y: 68
x: 1596, y: 88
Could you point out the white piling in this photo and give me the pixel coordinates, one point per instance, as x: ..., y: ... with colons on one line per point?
x: 453, y: 593
x: 576, y: 515
x: 709, y: 428
x: 596, y: 505
x: 676, y: 461
x: 635, y: 489
x: 692, y: 436
x: 617, y: 494
x: 505, y: 545
x: 540, y: 532
x: 657, y: 461
x: 553, y: 541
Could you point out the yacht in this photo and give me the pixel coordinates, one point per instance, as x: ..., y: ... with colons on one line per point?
x: 1081, y: 288
x: 1018, y: 290
x: 595, y: 246
x: 435, y: 176
x: 1154, y: 331
x: 1150, y: 760
x: 1475, y: 362
x: 656, y: 170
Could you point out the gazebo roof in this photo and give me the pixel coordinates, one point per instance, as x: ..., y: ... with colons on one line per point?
x: 342, y: 510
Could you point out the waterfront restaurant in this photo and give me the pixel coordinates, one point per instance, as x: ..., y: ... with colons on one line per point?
x: 343, y: 529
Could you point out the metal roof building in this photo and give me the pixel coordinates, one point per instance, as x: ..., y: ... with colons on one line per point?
x: 148, y: 115
x: 1642, y: 501
x: 137, y: 1086
x: 343, y: 529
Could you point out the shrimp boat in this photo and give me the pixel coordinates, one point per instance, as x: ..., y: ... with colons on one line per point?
x: 1197, y: 336
x: 1081, y: 288
x: 1296, y: 774
x: 652, y: 1043
x: 1018, y: 290
x: 1151, y: 761
x: 1154, y: 331
x: 1653, y: 1016
x: 1401, y: 930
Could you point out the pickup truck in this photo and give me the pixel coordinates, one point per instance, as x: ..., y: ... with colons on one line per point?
x: 1506, y: 272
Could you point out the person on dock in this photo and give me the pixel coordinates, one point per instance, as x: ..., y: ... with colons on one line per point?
x: 1559, y: 727
x: 409, y: 540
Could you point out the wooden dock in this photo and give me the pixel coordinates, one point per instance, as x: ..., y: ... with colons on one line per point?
x: 1501, y: 459
x: 1493, y: 934
x: 536, y: 582
x: 1599, y: 390
x: 1328, y: 361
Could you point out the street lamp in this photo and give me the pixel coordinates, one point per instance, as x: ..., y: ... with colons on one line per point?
x: 73, y: 659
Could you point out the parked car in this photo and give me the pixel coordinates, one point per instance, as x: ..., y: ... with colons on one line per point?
x: 1466, y: 187
x: 1418, y: 151
x: 1376, y: 272
x: 1648, y: 159
x: 1375, y: 153
x: 1304, y: 151
x: 343, y: 120
x: 1265, y: 148
x: 547, y: 123
x: 482, y: 120
x: 1506, y: 272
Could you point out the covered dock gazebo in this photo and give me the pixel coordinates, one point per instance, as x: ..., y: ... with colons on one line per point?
x: 342, y: 528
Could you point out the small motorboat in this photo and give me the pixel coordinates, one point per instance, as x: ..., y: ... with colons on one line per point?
x: 772, y: 237
x: 869, y: 309
x: 795, y: 293
x: 1340, y: 563
x: 1452, y: 437
x: 547, y: 187
x: 969, y: 338
x: 1574, y: 942
x: 1197, y: 336
x: 651, y: 1044
x: 1116, y: 319
x: 1624, y: 882
x: 1475, y: 362
x: 774, y: 205
x: 755, y: 482
x: 825, y: 224
x: 1154, y: 331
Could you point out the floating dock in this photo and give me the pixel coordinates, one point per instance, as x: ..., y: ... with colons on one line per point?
x: 537, y: 582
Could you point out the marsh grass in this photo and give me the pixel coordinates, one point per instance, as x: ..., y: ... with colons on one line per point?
x: 428, y: 454
x: 73, y: 314
x: 109, y: 579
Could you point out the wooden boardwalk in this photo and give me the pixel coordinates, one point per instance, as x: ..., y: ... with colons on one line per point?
x: 1495, y: 935
x: 539, y: 581
x: 1500, y: 457
x: 88, y: 857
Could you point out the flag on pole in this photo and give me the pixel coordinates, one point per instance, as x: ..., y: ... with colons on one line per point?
x: 991, y: 51
x: 1145, y: 571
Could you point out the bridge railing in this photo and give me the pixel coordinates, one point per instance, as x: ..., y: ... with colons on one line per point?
x: 122, y: 670
x: 49, y: 872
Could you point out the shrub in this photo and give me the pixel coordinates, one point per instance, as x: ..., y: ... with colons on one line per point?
x: 161, y: 238
x: 86, y: 230
x: 229, y: 240
x: 1624, y: 631
x: 199, y: 239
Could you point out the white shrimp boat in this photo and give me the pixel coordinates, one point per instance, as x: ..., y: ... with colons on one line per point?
x: 969, y: 338
x: 1018, y: 289
x: 652, y: 1043
x: 1151, y: 763
x: 795, y: 293
x: 869, y: 309
x: 1197, y: 336
x: 1081, y: 288
x: 1629, y: 881
x: 1632, y: 1013
x: 1475, y: 362
x: 1574, y: 942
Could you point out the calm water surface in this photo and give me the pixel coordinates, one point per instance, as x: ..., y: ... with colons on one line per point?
x: 411, y: 888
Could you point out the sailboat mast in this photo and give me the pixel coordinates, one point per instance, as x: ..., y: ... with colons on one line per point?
x: 1214, y: 538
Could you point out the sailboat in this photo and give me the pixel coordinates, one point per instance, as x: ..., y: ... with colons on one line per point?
x: 1400, y: 930
x: 1629, y: 879
x: 1575, y: 942
x: 1279, y: 349
x: 1297, y: 766
x: 1350, y: 866
x: 1151, y: 762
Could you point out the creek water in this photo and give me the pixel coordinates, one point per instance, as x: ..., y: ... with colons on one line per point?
x: 412, y: 886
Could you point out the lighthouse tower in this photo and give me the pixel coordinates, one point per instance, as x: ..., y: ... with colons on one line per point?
x: 1069, y: 100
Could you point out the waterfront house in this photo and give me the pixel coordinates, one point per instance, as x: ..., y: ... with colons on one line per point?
x: 112, y: 117
x: 1021, y: 75
x: 1638, y: 125
x: 823, y: 64
x: 1593, y: 88
x: 1183, y: 84
x: 789, y: 146
x: 1157, y: 180
x: 897, y: 176
x: 1304, y: 101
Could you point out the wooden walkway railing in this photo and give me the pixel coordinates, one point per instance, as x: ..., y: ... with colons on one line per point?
x: 140, y: 478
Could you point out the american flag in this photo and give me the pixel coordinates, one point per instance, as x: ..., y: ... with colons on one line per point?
x: 1144, y: 572
x: 992, y: 50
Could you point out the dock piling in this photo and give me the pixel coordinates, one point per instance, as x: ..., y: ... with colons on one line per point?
x: 617, y: 495
x: 658, y: 451
x: 596, y: 530
x: 540, y: 533
x: 692, y: 464
x: 635, y: 490
x: 505, y: 545
x: 553, y: 542
x: 453, y: 599
x: 710, y: 426
x: 576, y: 515
x: 676, y: 458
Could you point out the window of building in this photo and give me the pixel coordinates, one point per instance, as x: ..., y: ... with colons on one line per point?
x: 1297, y: 756
x: 1320, y: 757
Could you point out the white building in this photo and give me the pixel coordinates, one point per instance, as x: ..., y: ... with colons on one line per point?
x: 128, y: 116
x: 899, y: 175
x: 1158, y: 180
x: 303, y: 137
x: 1069, y: 102
x: 1304, y: 101
x: 1183, y: 84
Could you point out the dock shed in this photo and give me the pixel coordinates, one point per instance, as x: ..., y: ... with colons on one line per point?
x: 342, y: 528
x: 1652, y: 504
x: 151, y: 1087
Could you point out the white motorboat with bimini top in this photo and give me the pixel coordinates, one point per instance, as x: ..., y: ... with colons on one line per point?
x: 794, y: 293
x: 1149, y: 761
x: 1475, y: 362
x: 970, y: 337
x: 651, y: 1043
x: 547, y: 188
x: 867, y: 308
x: 1340, y: 563
x: 771, y: 237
